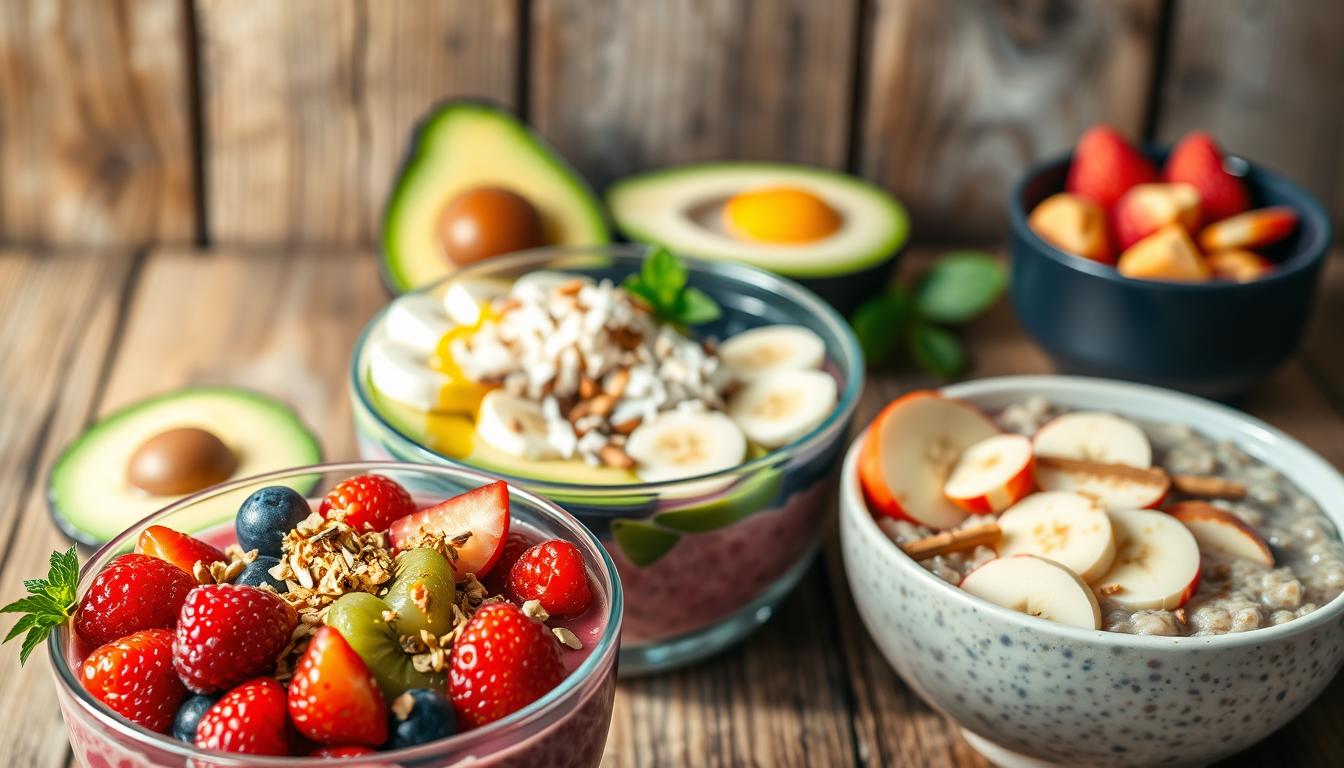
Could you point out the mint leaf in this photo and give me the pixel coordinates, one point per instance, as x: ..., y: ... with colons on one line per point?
x: 959, y: 286
x: 695, y: 307
x: 661, y: 283
x: 937, y: 351
x: 49, y: 604
x: 664, y: 274
x: 881, y: 322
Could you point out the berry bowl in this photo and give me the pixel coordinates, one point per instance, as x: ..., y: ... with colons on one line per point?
x: 1048, y: 664
x: 564, y: 726
x: 704, y: 556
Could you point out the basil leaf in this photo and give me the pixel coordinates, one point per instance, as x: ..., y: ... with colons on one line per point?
x: 880, y: 323
x: 695, y: 307
x: 937, y: 351
x: 960, y: 286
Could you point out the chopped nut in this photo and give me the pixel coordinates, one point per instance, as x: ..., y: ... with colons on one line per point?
x: 615, y: 456
x: 533, y: 610
x: 627, y: 426
x: 202, y: 573
x: 402, y: 706
x: 1110, y: 589
x: 567, y: 638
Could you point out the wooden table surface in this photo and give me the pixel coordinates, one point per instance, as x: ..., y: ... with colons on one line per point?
x: 84, y: 333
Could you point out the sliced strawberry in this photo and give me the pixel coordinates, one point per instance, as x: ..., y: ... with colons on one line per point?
x: 483, y: 513
x: 333, y: 698
x: 134, y: 677
x: 502, y: 662
x: 132, y: 593
x: 1197, y: 160
x: 228, y: 633
x: 1105, y: 166
x: 552, y: 573
x: 249, y: 719
x: 177, y: 548
x: 367, y: 502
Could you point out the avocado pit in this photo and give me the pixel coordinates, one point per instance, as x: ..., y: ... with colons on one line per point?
x: 488, y: 221
x: 181, y: 460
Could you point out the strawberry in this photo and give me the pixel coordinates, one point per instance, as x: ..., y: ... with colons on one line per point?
x: 132, y: 593
x: 368, y: 502
x: 1197, y: 160
x: 552, y: 573
x: 134, y: 677
x: 177, y: 548
x: 1253, y: 229
x: 482, y: 512
x: 249, y: 719
x: 228, y: 633
x: 1105, y: 166
x: 501, y: 662
x: 515, y: 544
x: 346, y: 751
x: 333, y: 698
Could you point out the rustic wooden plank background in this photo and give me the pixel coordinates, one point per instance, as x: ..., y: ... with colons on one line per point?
x: 279, y: 124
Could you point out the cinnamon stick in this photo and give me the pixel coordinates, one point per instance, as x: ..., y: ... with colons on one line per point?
x: 952, y: 541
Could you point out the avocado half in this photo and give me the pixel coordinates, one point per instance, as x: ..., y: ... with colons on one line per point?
x: 681, y: 208
x: 91, y: 499
x: 461, y: 145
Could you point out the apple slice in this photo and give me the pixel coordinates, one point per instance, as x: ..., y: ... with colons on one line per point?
x: 1094, y: 436
x: 1114, y: 486
x: 1219, y: 532
x: 1037, y: 587
x: 909, y: 452
x: 482, y: 512
x: 991, y: 475
x: 1069, y: 529
x: 1156, y: 561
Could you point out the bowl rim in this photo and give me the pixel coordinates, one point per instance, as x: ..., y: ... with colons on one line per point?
x: 536, y: 713
x: 801, y: 299
x: 1308, y: 256
x: 1286, y: 447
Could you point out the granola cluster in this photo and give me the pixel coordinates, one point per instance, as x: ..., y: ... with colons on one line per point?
x: 325, y: 559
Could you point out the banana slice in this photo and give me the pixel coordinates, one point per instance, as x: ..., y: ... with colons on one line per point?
x: 400, y: 372
x: 781, y: 408
x: 765, y: 351
x: 515, y: 426
x: 1156, y: 561
x: 538, y: 285
x: 417, y: 321
x: 1037, y: 587
x: 465, y: 300
x: 680, y: 444
x: 1065, y: 527
x: 1094, y: 436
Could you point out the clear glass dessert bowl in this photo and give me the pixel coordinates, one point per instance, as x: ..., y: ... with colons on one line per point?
x: 703, y: 560
x: 566, y: 727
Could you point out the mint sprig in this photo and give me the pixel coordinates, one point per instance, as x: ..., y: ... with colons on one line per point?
x: 661, y: 283
x: 49, y: 604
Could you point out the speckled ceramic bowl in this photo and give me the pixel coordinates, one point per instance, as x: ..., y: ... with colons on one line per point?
x: 1029, y: 692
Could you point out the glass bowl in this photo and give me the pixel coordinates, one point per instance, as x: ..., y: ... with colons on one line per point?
x: 705, y: 560
x: 566, y: 727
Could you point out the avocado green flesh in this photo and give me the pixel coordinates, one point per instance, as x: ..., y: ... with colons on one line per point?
x: 463, y: 145
x: 91, y: 499
x: 678, y: 208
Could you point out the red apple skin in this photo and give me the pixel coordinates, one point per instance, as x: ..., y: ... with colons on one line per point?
x: 1017, y: 488
x: 1199, y: 510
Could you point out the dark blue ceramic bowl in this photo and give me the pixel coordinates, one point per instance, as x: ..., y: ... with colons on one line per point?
x: 1216, y: 339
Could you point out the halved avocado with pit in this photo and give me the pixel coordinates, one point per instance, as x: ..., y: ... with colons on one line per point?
x: 472, y: 173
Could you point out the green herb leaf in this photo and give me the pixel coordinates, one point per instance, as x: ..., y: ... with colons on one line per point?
x: 695, y: 307
x: 959, y: 286
x: 661, y: 283
x: 49, y: 604
x: 881, y: 322
x: 936, y: 350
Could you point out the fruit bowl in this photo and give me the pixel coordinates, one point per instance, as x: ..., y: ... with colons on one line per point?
x: 702, y: 561
x: 566, y: 727
x: 1027, y: 691
x: 1215, y: 339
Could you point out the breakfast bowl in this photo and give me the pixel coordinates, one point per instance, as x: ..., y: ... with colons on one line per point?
x: 1182, y: 683
x: 703, y: 557
x: 1215, y: 339
x: 566, y: 726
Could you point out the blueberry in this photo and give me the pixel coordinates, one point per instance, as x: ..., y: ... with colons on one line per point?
x: 420, y: 715
x: 189, y: 714
x: 257, y: 573
x: 267, y: 515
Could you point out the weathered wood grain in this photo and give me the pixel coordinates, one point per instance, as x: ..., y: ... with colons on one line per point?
x: 95, y: 138
x: 628, y: 85
x: 1265, y: 82
x: 56, y: 332
x: 308, y: 105
x: 1322, y: 349
x: 961, y: 96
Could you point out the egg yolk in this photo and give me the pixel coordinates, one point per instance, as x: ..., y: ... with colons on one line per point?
x: 783, y: 215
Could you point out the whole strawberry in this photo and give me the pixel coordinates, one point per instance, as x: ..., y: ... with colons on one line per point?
x: 134, y: 677
x: 132, y: 593
x: 552, y: 573
x: 1105, y: 166
x: 249, y: 719
x: 367, y: 502
x: 502, y: 662
x: 177, y: 548
x: 1197, y: 160
x: 227, y: 634
x: 498, y: 579
x: 333, y: 698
